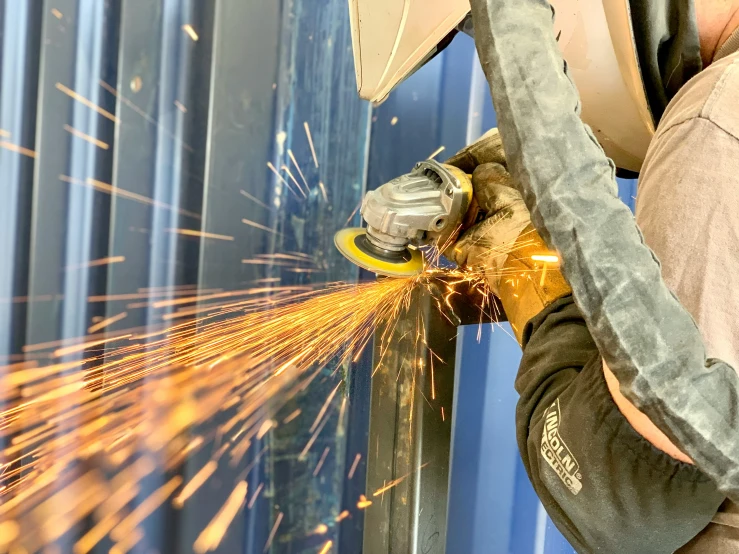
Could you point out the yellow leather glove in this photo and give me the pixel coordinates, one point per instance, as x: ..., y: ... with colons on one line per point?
x: 517, y: 265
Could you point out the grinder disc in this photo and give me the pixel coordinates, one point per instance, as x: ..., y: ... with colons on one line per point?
x: 352, y: 242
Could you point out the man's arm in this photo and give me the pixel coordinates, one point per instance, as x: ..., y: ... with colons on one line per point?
x: 605, y: 487
x: 648, y: 339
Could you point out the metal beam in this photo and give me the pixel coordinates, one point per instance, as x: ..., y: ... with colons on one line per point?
x: 408, y: 463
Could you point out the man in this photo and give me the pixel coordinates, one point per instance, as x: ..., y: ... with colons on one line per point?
x: 610, y: 478
x: 640, y: 458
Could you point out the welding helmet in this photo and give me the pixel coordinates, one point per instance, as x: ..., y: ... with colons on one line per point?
x: 393, y: 38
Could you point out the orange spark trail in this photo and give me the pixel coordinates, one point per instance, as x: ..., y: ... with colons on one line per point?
x: 294, y: 180
x: 92, y: 140
x: 201, y: 234
x: 326, y: 547
x: 273, y: 169
x: 436, y: 152
x: 116, y: 191
x: 310, y: 142
x: 84, y: 101
x: 300, y: 172
x: 259, y: 226
x: 195, y: 483
x: 18, y: 149
x: 254, y: 199
x: 107, y: 322
x: 255, y: 495
x: 98, y: 262
x: 272, y: 533
x: 354, y: 466
x: 319, y: 465
x: 212, y: 535
x: 323, y: 191
x: 190, y: 32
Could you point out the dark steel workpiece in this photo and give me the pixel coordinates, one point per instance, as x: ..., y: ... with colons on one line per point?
x: 411, y: 425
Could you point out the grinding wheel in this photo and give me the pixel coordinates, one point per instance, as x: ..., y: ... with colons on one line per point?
x: 353, y: 243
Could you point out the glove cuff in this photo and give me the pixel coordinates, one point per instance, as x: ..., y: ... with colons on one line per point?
x: 528, y: 283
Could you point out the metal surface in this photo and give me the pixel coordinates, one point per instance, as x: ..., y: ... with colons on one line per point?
x: 408, y: 463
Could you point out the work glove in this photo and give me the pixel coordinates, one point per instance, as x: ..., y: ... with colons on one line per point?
x: 504, y: 246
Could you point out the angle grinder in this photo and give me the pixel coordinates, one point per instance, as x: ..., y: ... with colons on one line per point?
x: 428, y: 206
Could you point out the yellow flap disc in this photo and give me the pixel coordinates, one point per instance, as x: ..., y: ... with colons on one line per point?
x: 352, y: 242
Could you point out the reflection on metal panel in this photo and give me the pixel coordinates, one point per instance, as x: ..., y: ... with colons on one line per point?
x: 134, y: 142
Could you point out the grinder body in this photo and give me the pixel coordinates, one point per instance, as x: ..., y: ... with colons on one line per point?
x: 428, y: 206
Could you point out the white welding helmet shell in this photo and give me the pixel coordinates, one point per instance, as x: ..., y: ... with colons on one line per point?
x: 392, y: 38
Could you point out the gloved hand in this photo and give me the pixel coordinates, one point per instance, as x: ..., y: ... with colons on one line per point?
x: 505, y: 246
x: 485, y: 246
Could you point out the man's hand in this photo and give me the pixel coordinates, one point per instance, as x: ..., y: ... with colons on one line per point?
x: 505, y: 246
x: 486, y: 245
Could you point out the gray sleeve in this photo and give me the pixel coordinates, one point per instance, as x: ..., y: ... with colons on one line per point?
x: 647, y: 338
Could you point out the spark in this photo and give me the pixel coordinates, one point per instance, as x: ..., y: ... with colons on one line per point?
x: 272, y: 533
x: 323, y: 191
x: 147, y: 507
x: 326, y: 547
x: 112, y: 90
x: 355, y: 464
x: 85, y: 102
x: 297, y: 166
x: 548, y: 258
x: 363, y: 502
x: 342, y: 516
x: 351, y: 215
x: 321, y: 529
x: 17, y: 149
x: 255, y: 495
x: 293, y: 179
x: 259, y: 226
x: 190, y: 32
x: 98, y: 262
x: 436, y: 152
x: 107, y: 322
x: 117, y: 191
x: 323, y: 409
x: 292, y: 416
x: 60, y: 352
x: 442, y: 414
x: 195, y: 483
x: 84, y: 136
x: 201, y: 234
x: 180, y: 106
x: 281, y: 178
x: 319, y: 465
x: 254, y: 199
x: 212, y: 535
x: 266, y: 426
x: 310, y: 142
x: 394, y: 120
x: 240, y: 361
x: 56, y: 13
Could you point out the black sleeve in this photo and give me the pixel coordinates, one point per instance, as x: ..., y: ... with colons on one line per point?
x: 606, y: 488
